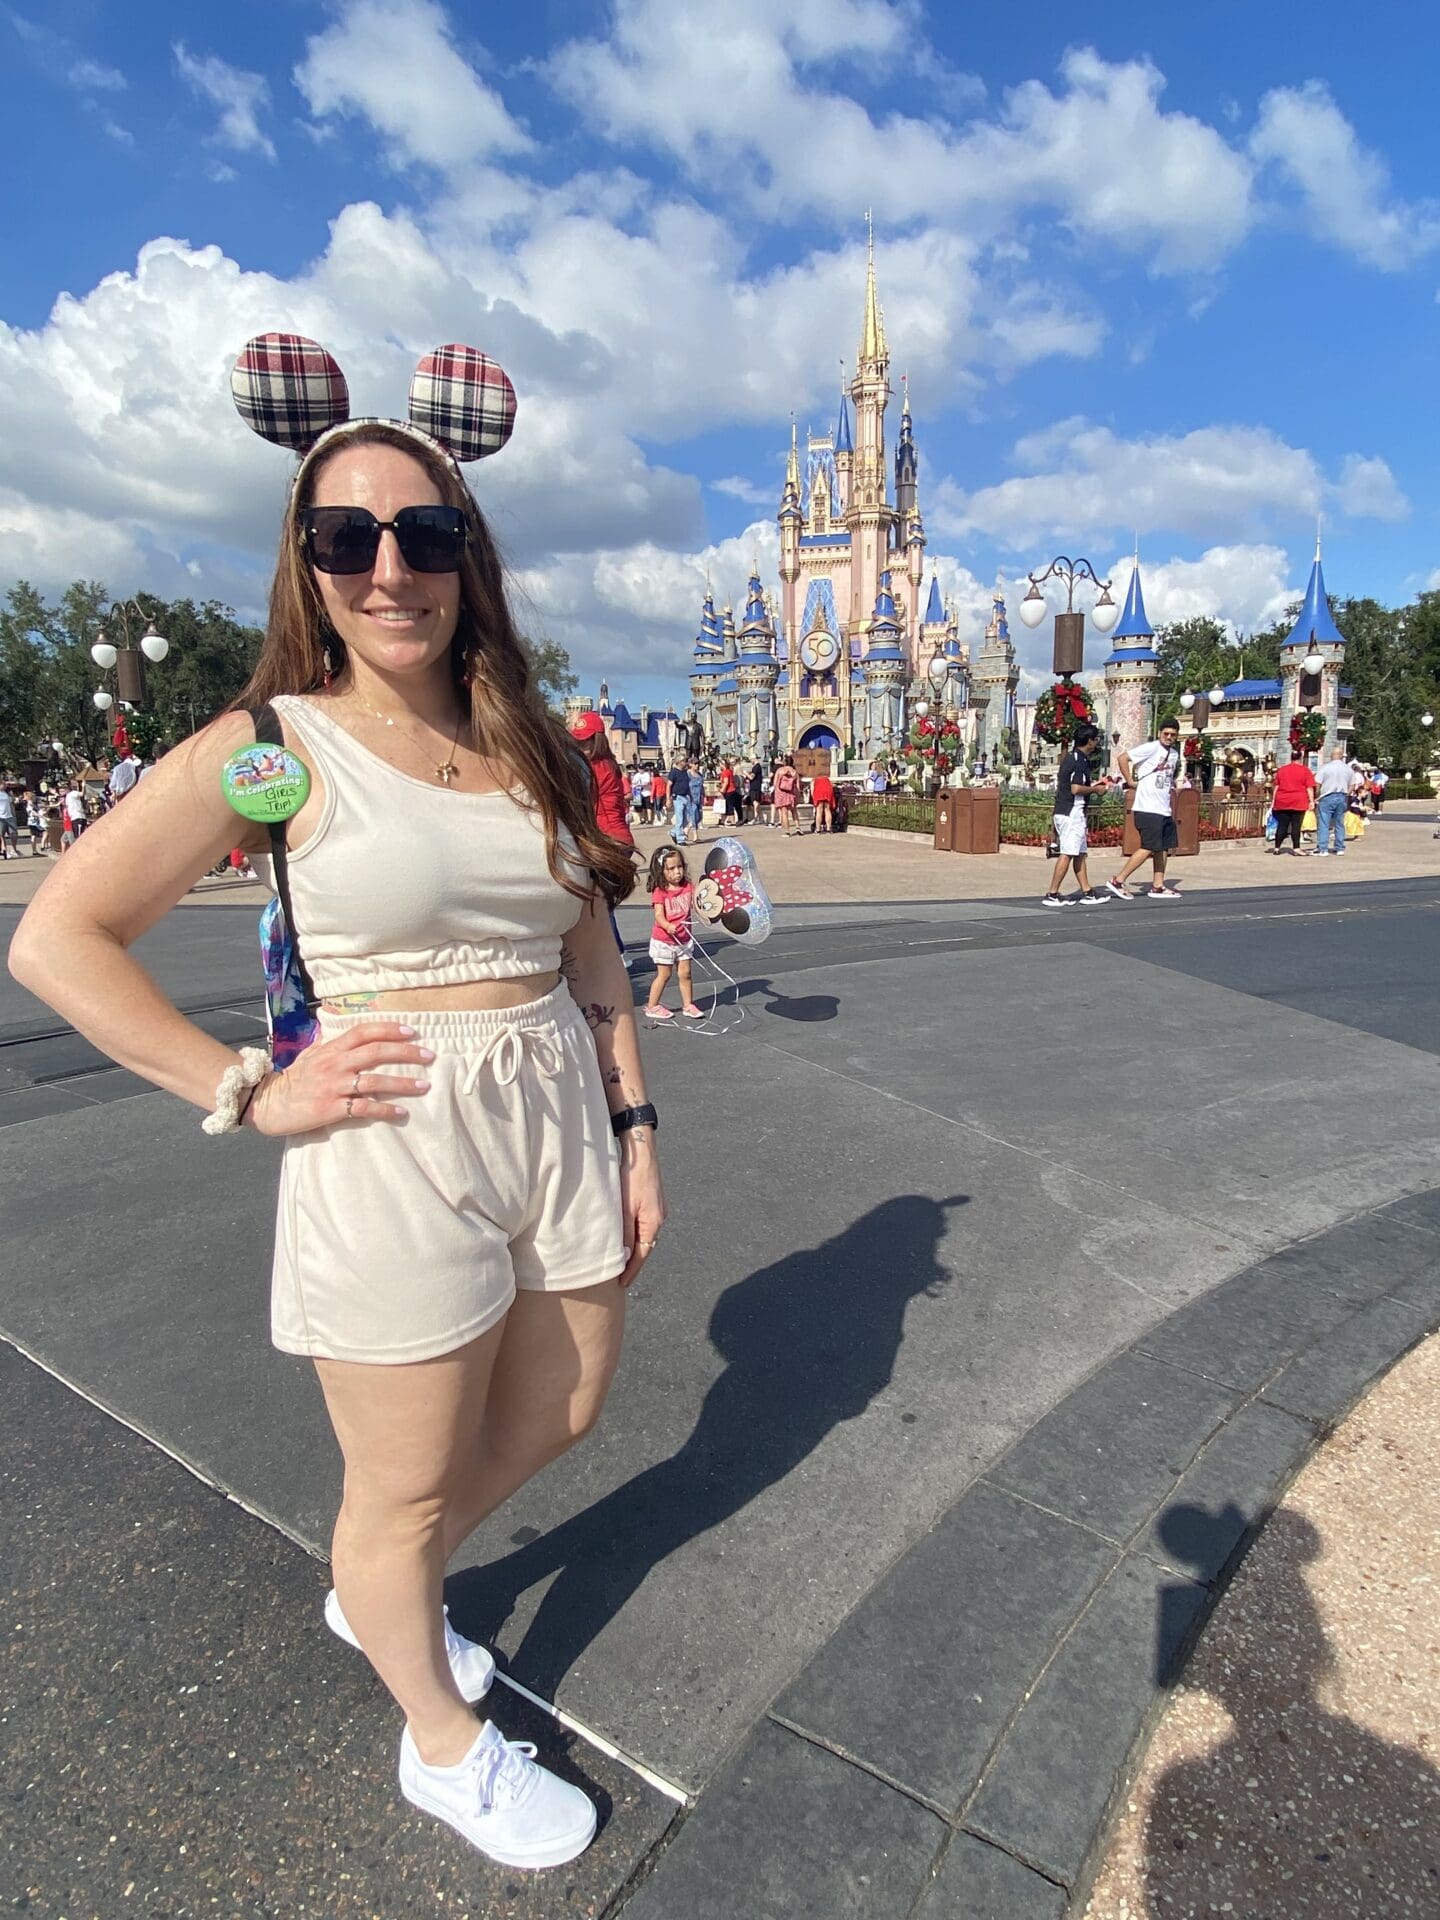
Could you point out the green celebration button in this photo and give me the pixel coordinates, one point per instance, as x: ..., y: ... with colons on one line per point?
x: 265, y: 783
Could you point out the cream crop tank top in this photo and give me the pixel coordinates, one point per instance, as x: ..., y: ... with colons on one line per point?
x: 407, y: 885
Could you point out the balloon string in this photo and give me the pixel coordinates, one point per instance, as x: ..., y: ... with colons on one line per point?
x: 703, y: 1028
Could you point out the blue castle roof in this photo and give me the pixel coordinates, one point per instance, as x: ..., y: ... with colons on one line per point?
x: 1134, y: 621
x: 1315, y: 622
x: 884, y: 626
x: 709, y: 643
x: 934, y: 608
x: 843, y: 442
x: 624, y: 721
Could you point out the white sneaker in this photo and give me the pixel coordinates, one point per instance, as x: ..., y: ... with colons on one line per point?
x: 471, y: 1664
x: 501, y: 1802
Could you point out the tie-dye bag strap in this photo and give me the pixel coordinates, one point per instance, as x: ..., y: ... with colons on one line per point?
x: 289, y: 993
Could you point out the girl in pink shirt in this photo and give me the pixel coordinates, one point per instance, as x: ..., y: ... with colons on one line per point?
x: 673, y: 898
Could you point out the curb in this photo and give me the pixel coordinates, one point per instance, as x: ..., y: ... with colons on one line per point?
x: 958, y: 1747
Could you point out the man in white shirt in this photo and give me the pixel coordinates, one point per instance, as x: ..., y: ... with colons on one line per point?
x: 1332, y: 797
x: 76, y: 819
x: 123, y: 775
x: 1149, y: 773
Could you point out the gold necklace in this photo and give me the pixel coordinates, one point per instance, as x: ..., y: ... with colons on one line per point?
x: 447, y: 769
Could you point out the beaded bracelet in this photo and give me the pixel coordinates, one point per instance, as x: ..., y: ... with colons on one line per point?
x: 253, y: 1066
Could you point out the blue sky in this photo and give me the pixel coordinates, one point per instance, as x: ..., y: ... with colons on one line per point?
x: 1148, y: 270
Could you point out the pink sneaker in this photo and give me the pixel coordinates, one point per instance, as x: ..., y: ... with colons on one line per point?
x: 692, y: 1012
x: 658, y: 1013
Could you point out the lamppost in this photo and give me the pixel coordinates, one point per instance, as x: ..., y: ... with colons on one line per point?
x: 127, y: 661
x: 1198, y: 706
x: 1069, y: 626
x: 1069, y: 652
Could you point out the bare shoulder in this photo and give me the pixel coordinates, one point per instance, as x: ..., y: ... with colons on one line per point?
x: 149, y: 850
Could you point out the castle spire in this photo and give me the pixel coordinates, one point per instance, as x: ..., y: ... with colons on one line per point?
x: 792, y: 468
x: 872, y: 335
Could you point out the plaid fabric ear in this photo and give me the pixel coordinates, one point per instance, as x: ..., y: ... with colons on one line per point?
x: 288, y: 390
x: 464, y: 400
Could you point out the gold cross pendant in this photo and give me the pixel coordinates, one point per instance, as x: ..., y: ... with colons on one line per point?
x: 446, y: 771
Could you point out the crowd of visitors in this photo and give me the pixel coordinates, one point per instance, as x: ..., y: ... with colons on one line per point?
x: 52, y: 818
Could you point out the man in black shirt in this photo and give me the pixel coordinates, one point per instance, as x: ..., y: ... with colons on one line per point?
x: 1072, y: 788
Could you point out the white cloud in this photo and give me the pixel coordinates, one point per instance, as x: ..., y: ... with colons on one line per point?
x: 1099, y: 152
x: 1344, y: 187
x: 93, y: 76
x: 1246, y: 587
x: 739, y: 488
x: 240, y: 96
x: 1080, y: 479
x: 396, y: 65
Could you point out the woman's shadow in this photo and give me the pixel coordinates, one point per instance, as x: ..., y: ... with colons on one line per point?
x: 1299, y: 1810
x: 808, y: 1343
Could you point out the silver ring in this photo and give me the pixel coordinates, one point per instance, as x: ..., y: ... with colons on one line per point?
x: 355, y: 1089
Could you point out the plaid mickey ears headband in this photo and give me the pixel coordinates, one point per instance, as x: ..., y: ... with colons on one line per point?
x: 292, y: 392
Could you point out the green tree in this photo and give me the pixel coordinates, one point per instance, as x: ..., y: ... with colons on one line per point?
x: 27, y: 632
x: 1384, y: 663
x: 550, y: 664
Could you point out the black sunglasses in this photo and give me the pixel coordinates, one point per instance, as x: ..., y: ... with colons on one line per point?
x: 347, y: 539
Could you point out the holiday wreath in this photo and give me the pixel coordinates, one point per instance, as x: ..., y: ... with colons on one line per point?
x: 1307, y: 730
x: 1059, y: 710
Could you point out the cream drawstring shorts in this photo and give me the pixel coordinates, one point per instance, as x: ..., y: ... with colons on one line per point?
x: 398, y: 1242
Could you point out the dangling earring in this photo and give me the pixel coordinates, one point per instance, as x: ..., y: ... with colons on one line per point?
x: 329, y: 670
x: 467, y: 669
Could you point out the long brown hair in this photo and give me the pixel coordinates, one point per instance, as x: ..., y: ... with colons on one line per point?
x: 509, y: 721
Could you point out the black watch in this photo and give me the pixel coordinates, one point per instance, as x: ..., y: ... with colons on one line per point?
x: 629, y: 1117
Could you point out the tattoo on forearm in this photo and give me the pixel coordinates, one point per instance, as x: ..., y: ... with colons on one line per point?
x: 598, y: 1016
x: 567, y: 967
x: 612, y: 1078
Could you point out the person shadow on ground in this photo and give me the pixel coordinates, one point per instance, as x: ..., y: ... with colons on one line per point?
x: 1298, y: 1810
x: 807, y: 1342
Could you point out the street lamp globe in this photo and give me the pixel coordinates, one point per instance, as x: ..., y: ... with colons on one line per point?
x: 1187, y: 700
x: 938, y: 671
x: 104, y: 701
x: 154, y: 645
x: 1216, y: 696
x: 1032, y: 607
x: 1105, y: 612
x: 103, y: 654
x: 1427, y: 719
x: 1313, y: 663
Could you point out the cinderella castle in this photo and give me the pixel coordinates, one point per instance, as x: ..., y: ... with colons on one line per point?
x: 835, y: 665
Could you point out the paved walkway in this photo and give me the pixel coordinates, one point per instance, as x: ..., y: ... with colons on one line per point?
x: 856, y: 867
x: 1296, y: 1770
x: 995, y: 1242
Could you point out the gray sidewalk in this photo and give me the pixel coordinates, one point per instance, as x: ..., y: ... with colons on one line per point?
x: 949, y: 1168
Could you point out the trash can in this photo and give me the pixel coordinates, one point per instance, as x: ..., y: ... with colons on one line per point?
x: 945, y: 813
x: 977, y: 820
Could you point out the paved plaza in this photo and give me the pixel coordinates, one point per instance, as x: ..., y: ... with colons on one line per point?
x: 1016, y: 1262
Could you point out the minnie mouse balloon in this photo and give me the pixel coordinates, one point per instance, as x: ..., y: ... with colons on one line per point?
x: 730, y: 893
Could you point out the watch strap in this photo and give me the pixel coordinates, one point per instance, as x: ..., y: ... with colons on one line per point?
x: 629, y: 1117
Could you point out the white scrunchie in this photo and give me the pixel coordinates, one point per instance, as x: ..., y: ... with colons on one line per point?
x: 253, y: 1067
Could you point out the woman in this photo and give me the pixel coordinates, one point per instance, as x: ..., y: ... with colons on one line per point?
x: 457, y: 1224
x: 786, y: 788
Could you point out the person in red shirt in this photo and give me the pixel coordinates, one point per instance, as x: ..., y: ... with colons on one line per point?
x: 730, y: 793
x: 1294, y: 793
x: 607, y: 783
x: 822, y: 794
x: 659, y: 795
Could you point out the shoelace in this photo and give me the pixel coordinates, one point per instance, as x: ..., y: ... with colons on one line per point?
x: 507, y: 1764
x: 506, y: 1049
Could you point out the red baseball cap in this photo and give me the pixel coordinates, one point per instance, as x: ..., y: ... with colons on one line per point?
x: 587, y: 726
